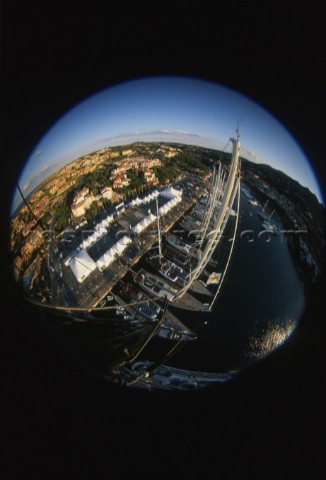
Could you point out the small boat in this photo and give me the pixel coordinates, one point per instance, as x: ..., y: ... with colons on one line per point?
x: 171, y: 271
x: 155, y: 285
x: 246, y: 193
x: 139, y: 301
x: 171, y: 332
x: 167, y: 269
x: 173, y: 329
x: 179, y: 258
x: 148, y: 375
x: 178, y: 243
x: 269, y: 227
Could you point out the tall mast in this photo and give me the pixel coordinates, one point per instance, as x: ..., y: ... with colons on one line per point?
x: 158, y: 232
x: 221, y: 214
x: 265, y: 206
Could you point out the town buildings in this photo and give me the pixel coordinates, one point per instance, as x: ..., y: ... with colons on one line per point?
x: 33, y: 242
x: 119, y: 173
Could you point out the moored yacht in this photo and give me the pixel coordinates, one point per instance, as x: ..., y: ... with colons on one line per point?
x: 270, y: 227
x: 178, y: 243
x: 171, y: 271
x: 139, y: 301
x: 155, y: 285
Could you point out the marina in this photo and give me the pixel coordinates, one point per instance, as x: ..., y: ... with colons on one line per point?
x: 148, y: 259
x: 143, y: 278
x: 185, y: 280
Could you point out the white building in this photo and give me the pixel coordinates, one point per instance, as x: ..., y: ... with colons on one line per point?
x: 107, y: 192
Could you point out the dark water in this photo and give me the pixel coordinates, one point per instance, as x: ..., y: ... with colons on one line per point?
x: 259, y: 304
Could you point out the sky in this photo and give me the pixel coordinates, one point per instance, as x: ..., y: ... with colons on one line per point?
x: 172, y: 109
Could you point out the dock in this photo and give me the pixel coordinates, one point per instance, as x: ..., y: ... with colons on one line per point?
x: 99, y: 284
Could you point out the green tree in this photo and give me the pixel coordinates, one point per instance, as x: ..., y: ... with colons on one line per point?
x: 62, y: 216
x: 93, y: 211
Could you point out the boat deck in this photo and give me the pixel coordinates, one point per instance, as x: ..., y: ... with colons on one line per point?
x: 148, y: 376
x: 189, y: 302
x: 173, y: 329
x: 198, y: 287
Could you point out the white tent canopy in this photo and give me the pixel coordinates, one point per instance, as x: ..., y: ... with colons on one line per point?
x: 139, y: 201
x: 102, y: 224
x: 101, y: 264
x: 150, y: 197
x: 171, y: 192
x: 82, y: 265
x: 106, y: 222
x: 135, y: 201
x: 151, y: 218
x: 99, y: 232
x: 145, y: 222
x: 137, y: 228
x: 108, y: 257
x: 170, y: 204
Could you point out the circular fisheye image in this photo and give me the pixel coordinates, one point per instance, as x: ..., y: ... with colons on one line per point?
x: 169, y: 230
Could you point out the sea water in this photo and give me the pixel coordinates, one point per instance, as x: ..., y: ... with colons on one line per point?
x: 259, y: 305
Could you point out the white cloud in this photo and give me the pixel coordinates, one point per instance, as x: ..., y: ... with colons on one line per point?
x: 176, y: 132
x: 141, y: 135
x: 44, y: 169
x: 251, y: 155
x: 25, y: 186
x: 36, y: 157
